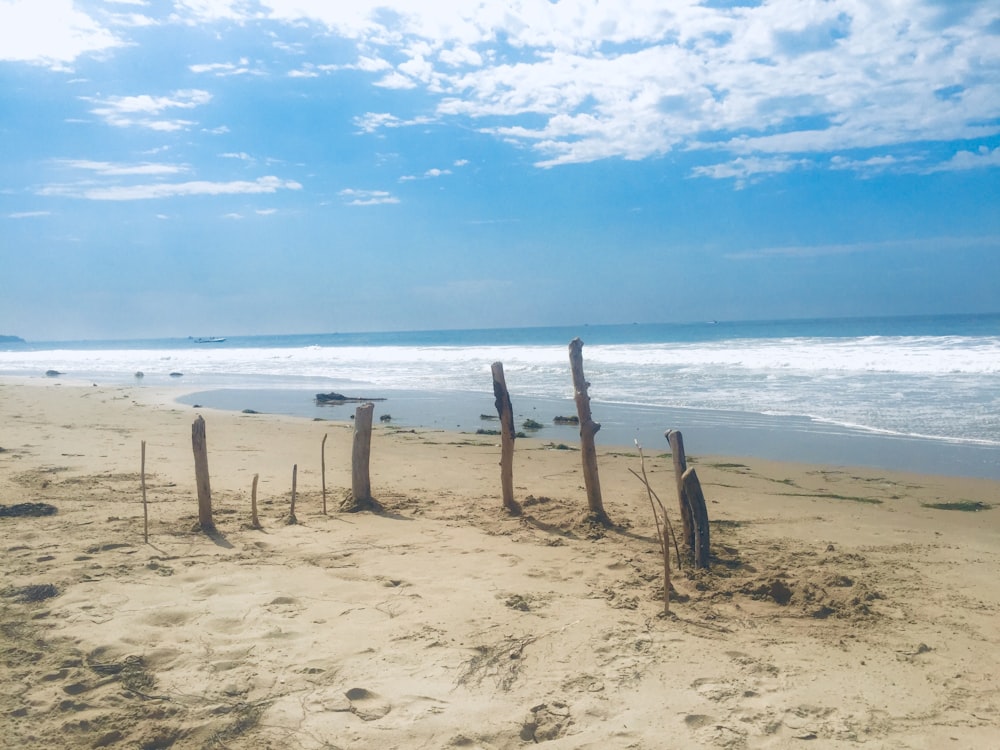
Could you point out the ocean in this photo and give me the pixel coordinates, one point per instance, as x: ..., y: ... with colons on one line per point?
x: 909, y: 393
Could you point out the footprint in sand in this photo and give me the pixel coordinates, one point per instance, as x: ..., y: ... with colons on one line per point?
x: 366, y: 705
x: 546, y: 721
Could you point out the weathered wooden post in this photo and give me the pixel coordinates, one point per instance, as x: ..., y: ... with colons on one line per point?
x: 145, y: 508
x: 588, y: 428
x: 322, y: 469
x: 699, y: 516
x: 506, y: 413
x: 254, y: 520
x: 291, y: 512
x: 200, y: 448
x: 361, y: 486
x: 676, y: 441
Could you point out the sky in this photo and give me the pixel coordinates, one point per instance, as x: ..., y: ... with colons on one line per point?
x: 235, y: 167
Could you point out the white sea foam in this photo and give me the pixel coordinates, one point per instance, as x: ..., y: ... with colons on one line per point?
x: 941, y: 386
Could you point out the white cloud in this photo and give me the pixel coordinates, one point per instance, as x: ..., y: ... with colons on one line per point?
x: 50, y: 32
x: 113, y: 169
x: 396, y: 80
x: 577, y: 81
x: 369, y: 122
x: 640, y: 78
x: 224, y: 69
x: 354, y: 197
x: 372, y: 121
x: 429, y: 174
x: 142, y: 110
x: 964, y: 160
x: 158, y: 190
x: 132, y: 20
x: 745, y: 168
x: 28, y: 214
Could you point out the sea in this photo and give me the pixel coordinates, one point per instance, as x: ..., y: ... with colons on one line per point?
x: 915, y: 394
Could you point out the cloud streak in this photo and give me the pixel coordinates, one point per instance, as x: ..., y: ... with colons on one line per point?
x: 354, y: 197
x: 153, y: 191
x: 143, y: 110
x: 905, y: 245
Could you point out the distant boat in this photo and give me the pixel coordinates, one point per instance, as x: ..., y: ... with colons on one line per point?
x: 208, y: 340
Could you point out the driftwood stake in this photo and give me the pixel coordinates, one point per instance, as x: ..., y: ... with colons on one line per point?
x: 322, y: 469
x: 699, y: 517
x: 588, y: 428
x: 361, y: 486
x: 291, y: 512
x: 676, y: 441
x: 506, y: 413
x: 200, y: 447
x: 145, y: 508
x: 254, y: 521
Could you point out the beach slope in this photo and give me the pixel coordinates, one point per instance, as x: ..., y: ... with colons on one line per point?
x: 841, y: 606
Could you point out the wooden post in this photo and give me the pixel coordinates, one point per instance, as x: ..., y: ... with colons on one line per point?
x: 145, y: 508
x: 291, y: 513
x: 361, y: 486
x: 254, y: 521
x: 322, y: 469
x: 506, y: 413
x: 699, y: 513
x: 588, y: 428
x: 200, y: 448
x: 676, y: 441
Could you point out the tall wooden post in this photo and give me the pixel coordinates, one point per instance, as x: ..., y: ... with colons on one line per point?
x: 200, y: 448
x: 145, y: 507
x: 291, y: 513
x: 676, y: 441
x: 322, y: 469
x: 588, y: 428
x: 254, y: 520
x: 361, y: 486
x: 506, y: 413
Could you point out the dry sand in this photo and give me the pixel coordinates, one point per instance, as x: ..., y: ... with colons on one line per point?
x: 840, y: 610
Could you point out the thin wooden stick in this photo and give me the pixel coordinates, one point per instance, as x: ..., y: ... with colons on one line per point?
x: 254, y: 521
x: 666, y: 519
x: 291, y: 515
x: 322, y: 469
x: 664, y: 543
x: 145, y: 507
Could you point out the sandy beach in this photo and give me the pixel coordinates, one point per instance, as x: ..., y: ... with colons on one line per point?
x: 842, y: 608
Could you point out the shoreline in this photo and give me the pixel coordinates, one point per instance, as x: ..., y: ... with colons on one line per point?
x: 441, y: 621
x: 715, y: 432
x: 737, y: 435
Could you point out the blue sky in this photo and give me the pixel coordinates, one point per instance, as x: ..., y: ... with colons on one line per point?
x: 194, y: 167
